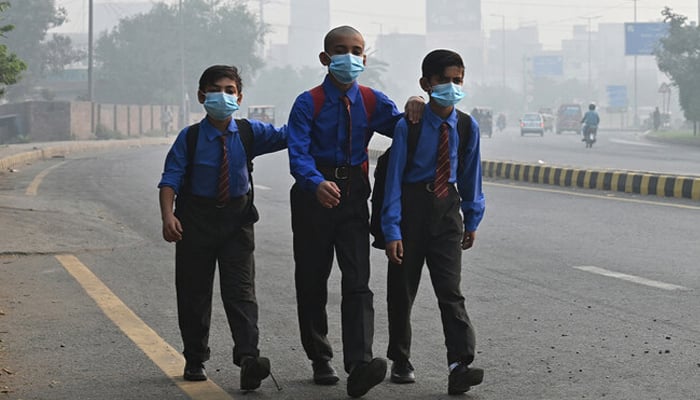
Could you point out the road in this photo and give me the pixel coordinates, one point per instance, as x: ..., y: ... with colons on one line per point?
x: 574, y: 294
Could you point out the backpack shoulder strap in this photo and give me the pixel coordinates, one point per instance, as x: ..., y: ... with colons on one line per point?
x: 191, y: 138
x: 369, y: 99
x: 412, y: 140
x: 464, y: 129
x: 318, y: 97
x: 247, y: 137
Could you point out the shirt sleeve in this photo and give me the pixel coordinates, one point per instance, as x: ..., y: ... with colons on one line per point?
x: 469, y: 182
x: 175, y: 163
x: 391, y: 209
x: 268, y: 138
x: 301, y: 164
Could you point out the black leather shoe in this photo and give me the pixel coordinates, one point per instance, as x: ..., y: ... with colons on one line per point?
x: 194, y: 372
x: 253, y: 371
x: 462, y: 378
x: 365, y: 376
x: 324, y: 373
x: 402, y: 372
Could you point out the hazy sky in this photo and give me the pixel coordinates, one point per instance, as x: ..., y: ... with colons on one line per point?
x: 554, y: 18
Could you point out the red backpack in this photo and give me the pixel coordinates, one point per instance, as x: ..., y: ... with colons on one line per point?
x: 369, y: 100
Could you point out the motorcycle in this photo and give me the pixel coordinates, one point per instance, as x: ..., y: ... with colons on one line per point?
x: 589, y: 134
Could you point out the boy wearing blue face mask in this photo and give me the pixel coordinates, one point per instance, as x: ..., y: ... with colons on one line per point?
x: 422, y: 223
x: 329, y: 129
x: 207, y: 176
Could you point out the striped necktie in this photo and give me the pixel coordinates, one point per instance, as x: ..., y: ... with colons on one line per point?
x: 223, y: 194
x: 442, y: 169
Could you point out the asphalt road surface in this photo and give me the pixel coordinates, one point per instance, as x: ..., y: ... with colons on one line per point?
x: 575, y: 294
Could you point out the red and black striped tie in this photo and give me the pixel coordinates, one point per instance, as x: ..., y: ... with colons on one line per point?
x: 442, y: 169
x: 223, y: 195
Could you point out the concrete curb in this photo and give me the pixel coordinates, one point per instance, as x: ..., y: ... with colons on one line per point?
x: 644, y: 183
x: 45, y: 151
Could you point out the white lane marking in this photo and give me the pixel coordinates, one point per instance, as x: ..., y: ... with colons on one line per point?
x: 261, y: 187
x: 630, y: 278
x: 622, y: 141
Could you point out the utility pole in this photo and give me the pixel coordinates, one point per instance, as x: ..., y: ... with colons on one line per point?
x: 635, y: 123
x: 503, y: 52
x: 590, y: 91
x: 184, y: 118
x: 91, y: 89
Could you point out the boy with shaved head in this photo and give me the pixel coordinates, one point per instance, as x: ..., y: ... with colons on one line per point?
x: 329, y: 129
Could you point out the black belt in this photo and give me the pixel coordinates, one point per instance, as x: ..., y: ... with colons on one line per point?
x: 212, y: 202
x: 340, y: 173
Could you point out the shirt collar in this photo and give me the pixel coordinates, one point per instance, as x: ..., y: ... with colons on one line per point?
x: 212, y: 133
x: 435, y: 121
x: 334, y: 94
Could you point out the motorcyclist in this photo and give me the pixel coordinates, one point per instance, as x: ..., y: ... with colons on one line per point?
x: 501, y: 121
x: 590, y: 122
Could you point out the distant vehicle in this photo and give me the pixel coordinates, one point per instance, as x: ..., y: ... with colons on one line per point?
x: 484, y: 117
x: 548, y: 117
x: 532, y: 123
x: 262, y: 113
x: 569, y: 118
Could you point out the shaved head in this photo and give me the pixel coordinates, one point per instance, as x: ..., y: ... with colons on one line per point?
x: 340, y: 31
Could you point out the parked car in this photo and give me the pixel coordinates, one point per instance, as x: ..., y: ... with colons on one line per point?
x: 532, y: 123
x: 569, y: 118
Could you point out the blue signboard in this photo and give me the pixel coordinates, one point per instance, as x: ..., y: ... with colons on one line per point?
x: 617, y: 96
x: 548, y: 66
x: 641, y: 38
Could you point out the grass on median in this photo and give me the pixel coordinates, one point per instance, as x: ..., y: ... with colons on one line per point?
x: 679, y: 137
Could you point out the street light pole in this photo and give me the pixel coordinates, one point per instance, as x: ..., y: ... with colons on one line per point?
x: 503, y: 51
x: 590, y: 92
x: 184, y: 119
x: 91, y: 89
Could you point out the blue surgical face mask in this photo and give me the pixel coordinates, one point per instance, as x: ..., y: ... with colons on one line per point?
x: 346, y: 67
x: 447, y: 94
x: 220, y: 105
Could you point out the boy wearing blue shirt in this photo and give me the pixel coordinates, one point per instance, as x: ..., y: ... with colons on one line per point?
x: 207, y: 171
x: 422, y: 223
x: 329, y: 130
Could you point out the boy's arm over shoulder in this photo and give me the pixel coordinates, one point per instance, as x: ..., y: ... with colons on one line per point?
x: 385, y: 115
x: 267, y: 138
x: 469, y: 180
x: 175, y: 163
x: 301, y: 164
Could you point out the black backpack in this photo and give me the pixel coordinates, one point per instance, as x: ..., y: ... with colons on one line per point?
x: 464, y: 128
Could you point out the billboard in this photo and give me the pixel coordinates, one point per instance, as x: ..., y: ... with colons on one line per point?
x: 452, y: 16
x: 547, y: 66
x: 617, y: 96
x: 641, y: 38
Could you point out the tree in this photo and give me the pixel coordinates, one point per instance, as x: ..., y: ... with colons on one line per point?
x: 138, y: 62
x: 10, y: 65
x: 32, y: 19
x: 679, y: 57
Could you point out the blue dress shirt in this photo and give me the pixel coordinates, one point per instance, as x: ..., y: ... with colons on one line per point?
x: 322, y: 141
x: 207, y: 158
x: 422, y: 169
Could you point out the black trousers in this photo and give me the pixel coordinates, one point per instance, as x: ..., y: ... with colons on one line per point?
x: 318, y: 234
x: 432, y: 231
x: 214, y: 235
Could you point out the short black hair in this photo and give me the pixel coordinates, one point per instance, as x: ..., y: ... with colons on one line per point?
x: 338, y: 31
x: 216, y: 72
x: 437, y: 60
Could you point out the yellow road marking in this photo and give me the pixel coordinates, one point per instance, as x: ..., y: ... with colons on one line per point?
x: 598, y: 196
x: 34, y: 185
x: 157, y: 349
